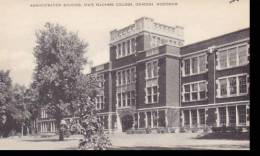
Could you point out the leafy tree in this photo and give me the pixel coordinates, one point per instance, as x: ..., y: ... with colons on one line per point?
x: 5, y: 100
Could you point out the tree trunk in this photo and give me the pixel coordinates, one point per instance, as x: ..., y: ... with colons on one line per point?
x: 61, y: 133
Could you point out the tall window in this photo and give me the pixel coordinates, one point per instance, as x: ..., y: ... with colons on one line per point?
x: 195, y: 65
x: 152, y: 94
x: 232, y: 57
x: 126, y: 48
x: 100, y: 80
x: 222, y: 116
x: 125, y: 76
x: 233, y: 86
x: 152, y: 69
x: 202, y: 116
x: 194, y: 91
x: 100, y: 102
x: 241, y: 114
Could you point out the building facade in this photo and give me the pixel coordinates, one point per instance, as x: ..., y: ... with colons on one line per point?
x: 152, y: 81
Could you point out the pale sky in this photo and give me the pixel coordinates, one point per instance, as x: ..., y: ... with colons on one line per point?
x: 201, y: 19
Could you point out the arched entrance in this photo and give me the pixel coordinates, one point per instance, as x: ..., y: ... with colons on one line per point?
x: 127, y: 122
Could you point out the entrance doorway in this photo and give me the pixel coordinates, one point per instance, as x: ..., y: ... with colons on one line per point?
x: 127, y: 122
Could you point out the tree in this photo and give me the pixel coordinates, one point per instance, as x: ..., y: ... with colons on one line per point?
x: 5, y: 100
x: 60, y: 61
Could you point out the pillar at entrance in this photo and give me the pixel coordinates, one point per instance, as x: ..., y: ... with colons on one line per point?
x: 119, y: 124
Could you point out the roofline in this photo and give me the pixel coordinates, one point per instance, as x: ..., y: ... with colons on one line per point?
x: 212, y: 38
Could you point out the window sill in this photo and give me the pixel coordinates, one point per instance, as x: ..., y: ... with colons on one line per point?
x: 147, y: 79
x: 195, y: 74
x: 195, y: 101
x: 220, y: 69
x: 222, y: 97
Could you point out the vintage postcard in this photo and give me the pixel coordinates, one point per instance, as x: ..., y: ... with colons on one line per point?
x: 124, y: 75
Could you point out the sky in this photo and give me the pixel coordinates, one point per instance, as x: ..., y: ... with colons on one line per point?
x: 201, y: 19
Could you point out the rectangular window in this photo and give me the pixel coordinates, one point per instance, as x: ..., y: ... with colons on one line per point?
x: 186, y: 92
x: 133, y: 98
x: 128, y: 98
x: 195, y: 91
x: 152, y: 69
x: 155, y: 95
x: 123, y: 49
x: 202, y: 63
x: 222, y: 116
x: 124, y: 99
x: 232, y: 85
x: 149, y: 94
x: 232, y: 115
x: 123, y: 78
x: 128, y: 76
x: 187, y: 67
x: 119, y: 99
x: 155, y: 68
x: 241, y: 114
x: 194, y: 65
x: 242, y: 84
x: 223, y: 59
x: 152, y: 94
x: 186, y: 117
x: 119, y: 50
x: 194, y: 117
x: 128, y: 47
x: 155, y: 118
x: 133, y: 75
x: 242, y: 55
x: 232, y: 57
x: 202, y: 116
x: 133, y: 45
x: 223, y: 87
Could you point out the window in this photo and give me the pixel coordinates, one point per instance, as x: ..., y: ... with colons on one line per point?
x: 124, y: 99
x: 133, y: 98
x: 125, y: 76
x: 128, y: 98
x: 100, y: 102
x: 232, y: 57
x: 222, y: 116
x: 202, y: 63
x: 194, y: 91
x: 223, y: 59
x: 133, y: 75
x: 233, y: 86
x: 119, y: 99
x: 241, y: 114
x: 151, y: 69
x: 152, y: 94
x: 194, y: 117
x: 100, y: 80
x: 186, y: 92
x: 232, y: 115
x: 202, y: 116
x: 126, y: 48
x: 242, y: 84
x: 161, y: 118
x: 195, y: 65
x: 186, y: 117
x: 223, y: 87
x: 187, y: 67
x: 242, y: 55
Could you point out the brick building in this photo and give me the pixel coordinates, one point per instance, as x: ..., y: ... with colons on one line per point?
x: 153, y: 80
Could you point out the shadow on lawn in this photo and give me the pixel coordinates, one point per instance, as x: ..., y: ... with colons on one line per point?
x: 227, y: 135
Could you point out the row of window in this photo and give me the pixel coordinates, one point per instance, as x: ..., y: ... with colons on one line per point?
x: 233, y: 86
x: 126, y: 48
x: 125, y: 99
x: 194, y: 91
x: 232, y: 57
x: 126, y: 76
x: 152, y: 69
x: 226, y: 58
x: 195, y: 65
x: 195, y: 116
x: 152, y: 94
